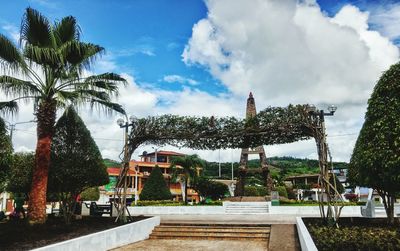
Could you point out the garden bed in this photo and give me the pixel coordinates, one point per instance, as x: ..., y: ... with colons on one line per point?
x: 18, y: 235
x: 354, y: 234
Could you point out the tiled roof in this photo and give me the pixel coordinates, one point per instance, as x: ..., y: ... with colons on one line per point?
x: 171, y: 153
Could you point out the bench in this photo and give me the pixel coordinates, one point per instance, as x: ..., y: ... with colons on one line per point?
x: 99, y: 209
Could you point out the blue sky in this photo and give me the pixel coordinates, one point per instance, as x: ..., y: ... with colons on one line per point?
x: 194, y: 57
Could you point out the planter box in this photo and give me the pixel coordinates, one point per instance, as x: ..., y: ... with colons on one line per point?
x: 108, y: 239
x: 306, y: 242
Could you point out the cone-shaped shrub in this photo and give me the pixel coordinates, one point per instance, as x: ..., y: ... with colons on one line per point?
x: 155, y: 187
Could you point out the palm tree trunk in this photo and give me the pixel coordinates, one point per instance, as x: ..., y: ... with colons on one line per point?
x: 46, y: 115
x: 186, y: 194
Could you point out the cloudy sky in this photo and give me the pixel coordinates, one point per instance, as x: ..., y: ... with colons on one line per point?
x: 204, y: 57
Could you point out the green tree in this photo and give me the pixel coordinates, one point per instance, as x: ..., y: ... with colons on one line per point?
x: 155, y: 187
x: 375, y: 161
x: 5, y: 154
x: 48, y: 70
x: 20, y: 176
x: 208, y: 188
x: 91, y: 193
x: 186, y: 169
x: 76, y: 162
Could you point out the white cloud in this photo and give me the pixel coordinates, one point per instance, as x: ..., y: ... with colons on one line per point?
x: 12, y: 31
x: 386, y: 18
x: 179, y: 79
x: 282, y: 51
x: 290, y: 52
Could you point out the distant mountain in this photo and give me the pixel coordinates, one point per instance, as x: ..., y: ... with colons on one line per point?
x: 282, y: 166
x: 111, y: 163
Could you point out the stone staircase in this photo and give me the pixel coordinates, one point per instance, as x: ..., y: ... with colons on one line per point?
x: 246, y: 207
x: 259, y: 232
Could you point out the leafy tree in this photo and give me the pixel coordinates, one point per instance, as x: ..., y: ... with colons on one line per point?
x: 91, y: 193
x: 48, y: 70
x: 20, y: 177
x: 5, y: 153
x: 76, y: 162
x: 208, y: 188
x: 155, y: 187
x: 186, y: 169
x: 375, y: 160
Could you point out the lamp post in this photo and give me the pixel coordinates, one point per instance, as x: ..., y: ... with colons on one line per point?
x: 123, y: 175
x: 318, y: 118
x: 155, y: 154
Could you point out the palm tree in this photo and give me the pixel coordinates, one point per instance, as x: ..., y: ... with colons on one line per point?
x: 48, y: 68
x: 186, y: 170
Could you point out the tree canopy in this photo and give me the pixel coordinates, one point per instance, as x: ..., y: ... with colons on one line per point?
x: 5, y: 153
x: 47, y: 69
x: 76, y: 162
x: 155, y: 187
x: 375, y: 160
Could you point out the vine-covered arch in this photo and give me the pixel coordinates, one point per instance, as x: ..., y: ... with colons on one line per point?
x: 273, y: 125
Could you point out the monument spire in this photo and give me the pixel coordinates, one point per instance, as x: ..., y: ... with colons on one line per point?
x: 244, y: 156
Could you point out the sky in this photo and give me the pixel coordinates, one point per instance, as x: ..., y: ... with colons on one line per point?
x: 204, y: 57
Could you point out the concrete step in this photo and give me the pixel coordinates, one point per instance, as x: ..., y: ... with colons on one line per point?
x: 212, y: 231
x: 210, y: 234
x: 237, y: 238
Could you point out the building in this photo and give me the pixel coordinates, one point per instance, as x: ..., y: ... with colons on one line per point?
x: 139, y: 171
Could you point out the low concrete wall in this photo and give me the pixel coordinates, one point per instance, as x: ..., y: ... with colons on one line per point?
x: 312, y: 210
x: 205, y: 210
x: 152, y: 210
x: 306, y: 242
x: 108, y: 239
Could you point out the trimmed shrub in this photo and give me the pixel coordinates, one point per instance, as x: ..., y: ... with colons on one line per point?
x: 212, y: 189
x: 250, y: 191
x: 92, y: 194
x: 155, y: 187
x: 282, y: 191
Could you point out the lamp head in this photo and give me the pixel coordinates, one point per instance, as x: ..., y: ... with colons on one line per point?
x: 332, y: 109
x: 312, y: 108
x: 121, y: 122
x: 133, y: 119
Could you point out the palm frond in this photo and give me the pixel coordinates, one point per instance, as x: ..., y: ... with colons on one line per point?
x: 8, y: 107
x: 15, y: 86
x: 108, y: 107
x: 79, y: 54
x: 95, y: 94
x: 66, y: 30
x: 43, y: 56
x: 10, y: 57
x: 36, y: 29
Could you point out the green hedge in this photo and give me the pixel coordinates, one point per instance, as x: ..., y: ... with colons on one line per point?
x: 168, y: 203
x: 351, y: 238
x: 287, y: 202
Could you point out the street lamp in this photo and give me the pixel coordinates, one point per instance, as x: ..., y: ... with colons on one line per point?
x: 125, y: 124
x: 318, y: 118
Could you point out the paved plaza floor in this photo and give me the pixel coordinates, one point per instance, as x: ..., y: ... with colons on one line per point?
x: 283, y: 234
x: 194, y: 245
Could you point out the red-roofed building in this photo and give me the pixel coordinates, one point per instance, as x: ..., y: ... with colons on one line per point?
x: 145, y: 166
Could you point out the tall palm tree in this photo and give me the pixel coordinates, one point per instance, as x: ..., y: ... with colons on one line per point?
x: 186, y: 170
x: 48, y: 68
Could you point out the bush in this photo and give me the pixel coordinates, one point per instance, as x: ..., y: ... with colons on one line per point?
x: 143, y: 203
x: 250, y: 191
x: 282, y: 191
x: 92, y: 194
x: 155, y: 188
x: 212, y: 189
x: 355, y: 238
x: 352, y: 197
